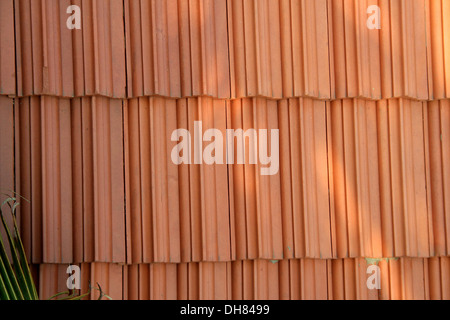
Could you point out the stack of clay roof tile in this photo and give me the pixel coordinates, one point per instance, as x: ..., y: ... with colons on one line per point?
x: 86, y: 118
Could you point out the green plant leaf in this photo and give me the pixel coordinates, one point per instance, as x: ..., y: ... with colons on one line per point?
x: 16, y: 293
x: 6, y: 288
x: 23, y: 257
x: 58, y: 294
x: 3, y: 291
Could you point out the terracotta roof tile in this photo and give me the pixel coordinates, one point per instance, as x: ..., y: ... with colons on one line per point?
x: 228, y: 49
x: 7, y: 50
x: 70, y: 63
x: 438, y: 134
x: 177, y: 48
x: 279, y: 57
x: 166, y: 226
x: 75, y: 155
x: 379, y: 178
x: 438, y: 44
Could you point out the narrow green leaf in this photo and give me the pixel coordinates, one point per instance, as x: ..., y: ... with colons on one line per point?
x: 58, y: 294
x: 17, y: 267
x: 6, y: 282
x: 81, y: 296
x: 3, y: 291
x: 7, y: 200
x: 23, y: 257
x: 11, y: 275
x: 71, y: 297
x: 107, y: 297
x: 102, y: 294
x: 18, y: 195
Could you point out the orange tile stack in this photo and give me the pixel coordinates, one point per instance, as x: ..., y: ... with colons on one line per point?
x: 86, y: 123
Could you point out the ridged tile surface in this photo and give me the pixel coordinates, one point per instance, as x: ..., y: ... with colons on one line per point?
x: 304, y: 279
x: 75, y: 178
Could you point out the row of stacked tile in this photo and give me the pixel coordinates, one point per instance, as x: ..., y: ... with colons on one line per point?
x: 295, y: 279
x: 356, y: 178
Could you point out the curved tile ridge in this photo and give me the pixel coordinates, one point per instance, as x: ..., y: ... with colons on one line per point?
x: 352, y: 178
